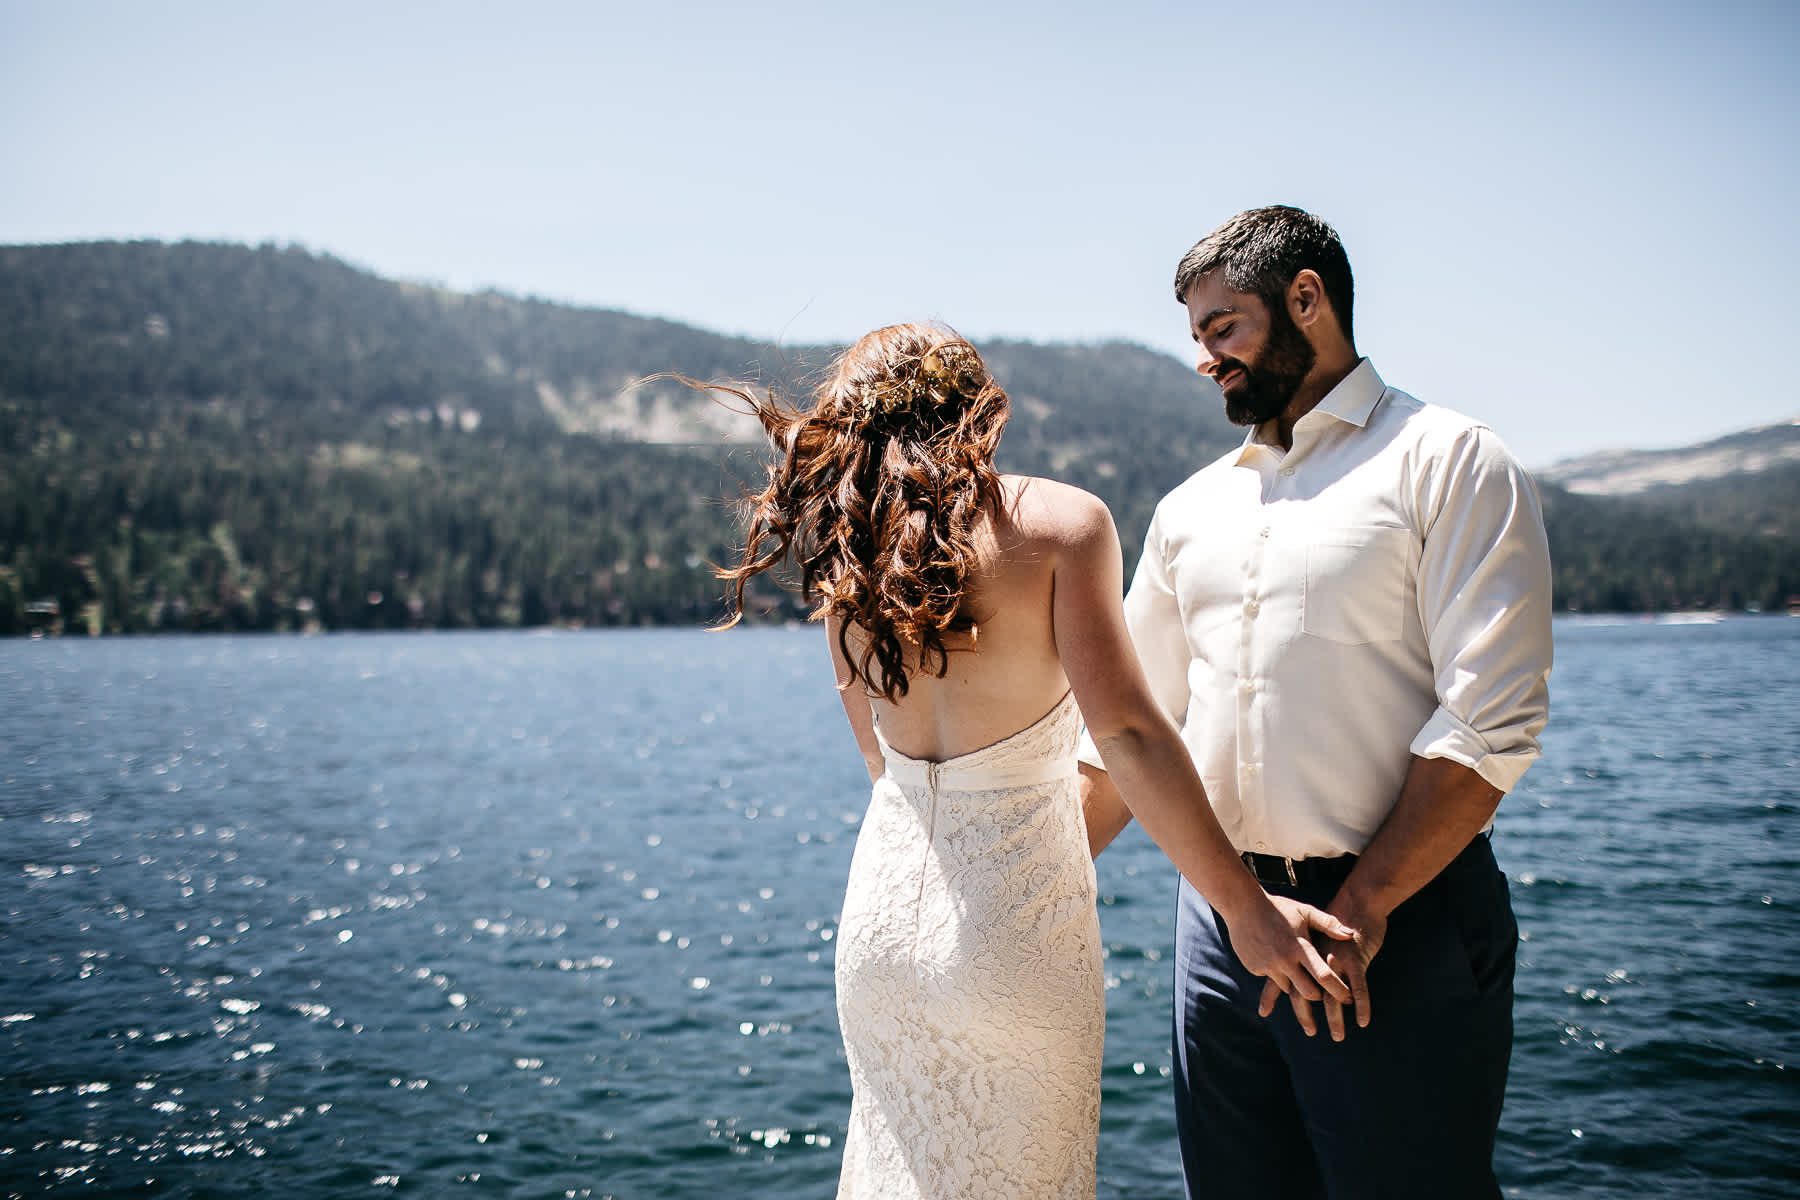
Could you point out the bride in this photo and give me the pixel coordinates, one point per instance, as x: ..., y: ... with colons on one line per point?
x: 975, y: 622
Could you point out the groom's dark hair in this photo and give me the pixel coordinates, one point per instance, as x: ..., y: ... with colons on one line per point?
x: 1260, y: 252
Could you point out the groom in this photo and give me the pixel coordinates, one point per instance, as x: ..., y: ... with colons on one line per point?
x: 1349, y: 618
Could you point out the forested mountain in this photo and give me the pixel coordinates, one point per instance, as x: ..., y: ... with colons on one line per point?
x: 1715, y: 525
x: 205, y: 436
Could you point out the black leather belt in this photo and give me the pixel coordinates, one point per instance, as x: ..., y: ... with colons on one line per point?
x: 1272, y: 870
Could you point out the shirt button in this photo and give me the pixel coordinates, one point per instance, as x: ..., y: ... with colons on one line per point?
x: 1247, y: 685
x: 1263, y: 532
x: 1287, y: 470
x: 1252, y: 607
x: 1262, y: 845
x: 1249, y: 768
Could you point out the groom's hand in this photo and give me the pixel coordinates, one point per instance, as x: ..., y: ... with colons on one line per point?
x: 1292, y: 956
x: 1349, y: 959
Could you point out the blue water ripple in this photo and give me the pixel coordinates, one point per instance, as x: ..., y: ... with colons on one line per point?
x: 548, y: 914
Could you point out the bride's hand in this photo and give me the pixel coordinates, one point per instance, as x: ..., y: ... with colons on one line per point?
x: 1277, y: 945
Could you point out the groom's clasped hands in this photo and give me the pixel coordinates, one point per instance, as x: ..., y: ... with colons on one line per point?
x: 1314, y: 957
x: 1336, y: 955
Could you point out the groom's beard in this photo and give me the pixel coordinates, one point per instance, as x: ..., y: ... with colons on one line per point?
x: 1269, y: 386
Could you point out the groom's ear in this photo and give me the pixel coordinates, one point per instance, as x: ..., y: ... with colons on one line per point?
x: 1306, y: 300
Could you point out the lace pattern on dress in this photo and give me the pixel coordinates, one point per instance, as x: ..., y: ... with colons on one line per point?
x: 969, y: 978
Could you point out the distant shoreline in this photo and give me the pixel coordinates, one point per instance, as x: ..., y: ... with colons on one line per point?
x: 1675, y: 617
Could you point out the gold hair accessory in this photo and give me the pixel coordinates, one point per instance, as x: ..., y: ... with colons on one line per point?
x: 956, y: 368
x: 943, y: 374
x: 887, y: 397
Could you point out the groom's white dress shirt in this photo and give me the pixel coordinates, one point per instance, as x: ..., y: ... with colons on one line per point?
x: 1311, y: 619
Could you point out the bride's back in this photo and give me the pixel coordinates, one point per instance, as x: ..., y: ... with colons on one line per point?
x: 920, y: 556
x: 1008, y: 674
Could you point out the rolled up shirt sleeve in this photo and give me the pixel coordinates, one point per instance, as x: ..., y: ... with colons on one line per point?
x: 1484, y: 603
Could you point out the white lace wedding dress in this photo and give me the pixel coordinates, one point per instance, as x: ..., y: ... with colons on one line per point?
x: 969, y: 982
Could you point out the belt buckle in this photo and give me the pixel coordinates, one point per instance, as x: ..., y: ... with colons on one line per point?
x: 1251, y: 859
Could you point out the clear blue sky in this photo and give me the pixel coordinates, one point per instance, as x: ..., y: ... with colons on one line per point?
x: 1577, y: 221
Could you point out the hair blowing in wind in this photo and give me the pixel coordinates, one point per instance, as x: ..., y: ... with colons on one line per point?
x: 875, y: 494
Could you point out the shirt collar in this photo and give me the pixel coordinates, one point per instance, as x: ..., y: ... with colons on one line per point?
x: 1353, y: 400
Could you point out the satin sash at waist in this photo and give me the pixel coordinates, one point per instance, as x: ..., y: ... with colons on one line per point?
x: 917, y: 773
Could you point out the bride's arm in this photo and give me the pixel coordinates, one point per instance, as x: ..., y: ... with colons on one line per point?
x: 1147, y: 761
x: 856, y: 705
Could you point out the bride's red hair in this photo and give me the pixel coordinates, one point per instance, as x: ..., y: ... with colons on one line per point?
x: 876, y: 493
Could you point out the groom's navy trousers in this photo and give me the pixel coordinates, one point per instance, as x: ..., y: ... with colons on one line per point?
x: 1407, y: 1107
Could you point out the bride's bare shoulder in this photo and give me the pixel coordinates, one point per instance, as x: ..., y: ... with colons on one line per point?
x: 1048, y: 510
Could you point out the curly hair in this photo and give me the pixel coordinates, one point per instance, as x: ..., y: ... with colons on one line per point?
x: 875, y: 494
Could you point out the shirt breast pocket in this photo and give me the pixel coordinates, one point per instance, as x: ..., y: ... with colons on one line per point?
x: 1356, y: 584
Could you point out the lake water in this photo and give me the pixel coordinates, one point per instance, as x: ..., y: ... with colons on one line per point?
x: 540, y: 915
